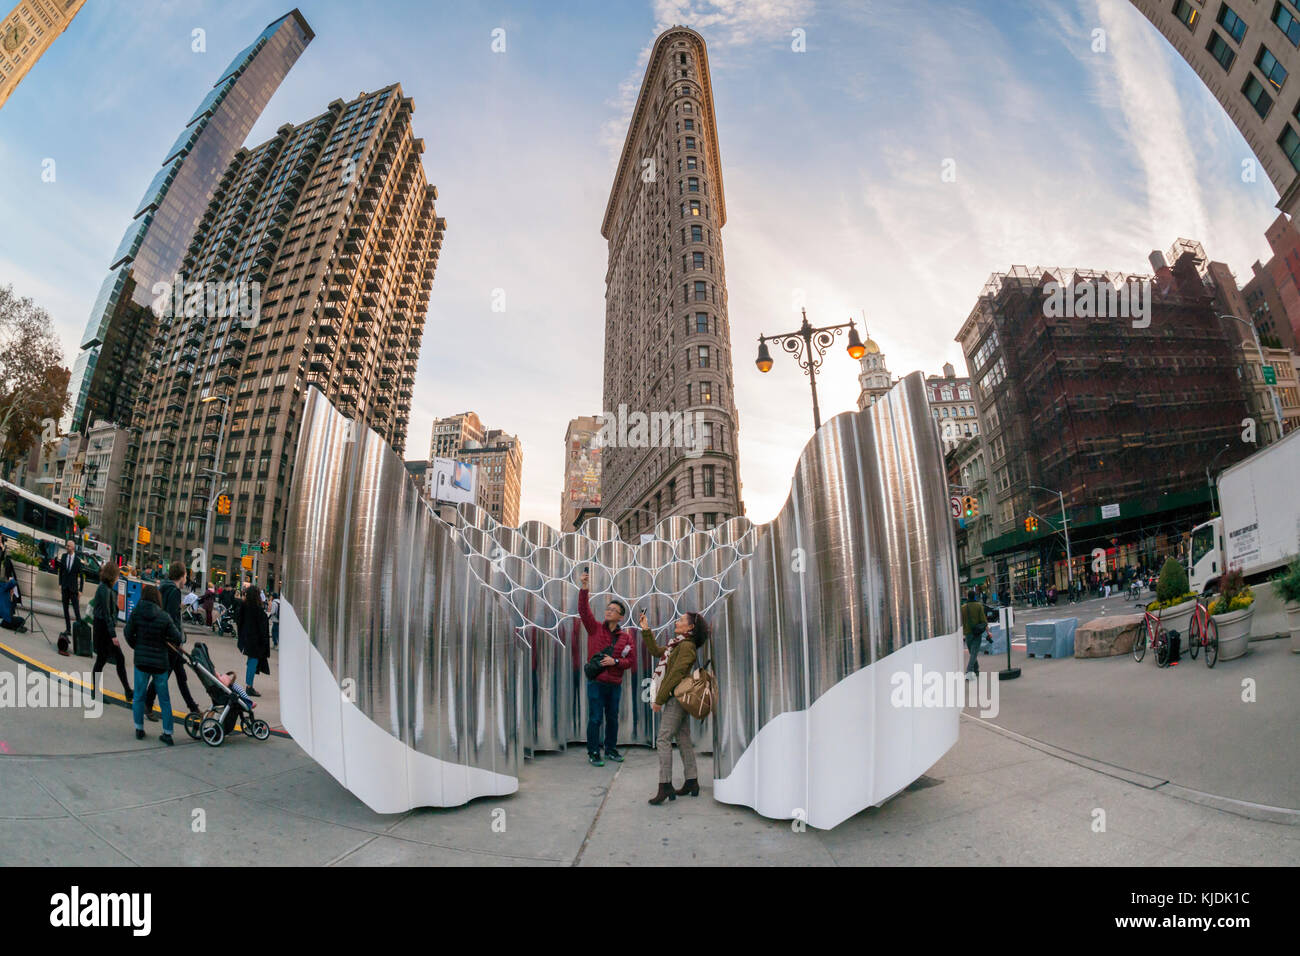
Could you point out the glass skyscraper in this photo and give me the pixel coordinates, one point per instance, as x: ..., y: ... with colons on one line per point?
x: 120, y: 331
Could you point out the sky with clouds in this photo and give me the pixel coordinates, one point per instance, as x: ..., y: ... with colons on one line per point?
x: 832, y: 157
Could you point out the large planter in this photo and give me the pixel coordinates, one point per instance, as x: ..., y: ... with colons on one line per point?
x: 1177, y: 617
x: 1234, y: 632
x: 1293, y: 625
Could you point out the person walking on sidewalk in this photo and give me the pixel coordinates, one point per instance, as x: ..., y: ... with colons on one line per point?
x: 104, y: 622
x: 171, y: 603
x: 673, y: 662
x: 974, y: 624
x: 70, y: 584
x: 148, y: 631
x: 605, y: 691
x: 275, y: 619
x: 254, y: 637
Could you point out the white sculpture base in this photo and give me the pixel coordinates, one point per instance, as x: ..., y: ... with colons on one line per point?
x: 384, y: 773
x: 853, y: 748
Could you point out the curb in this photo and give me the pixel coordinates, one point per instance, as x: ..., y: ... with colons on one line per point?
x: 109, y: 697
x: 1242, y: 808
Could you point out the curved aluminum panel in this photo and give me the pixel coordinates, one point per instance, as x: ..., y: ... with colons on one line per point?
x: 462, y: 642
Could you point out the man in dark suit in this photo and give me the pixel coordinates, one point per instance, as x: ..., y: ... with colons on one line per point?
x: 70, y: 583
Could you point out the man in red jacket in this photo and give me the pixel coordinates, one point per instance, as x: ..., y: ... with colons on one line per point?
x: 606, y: 691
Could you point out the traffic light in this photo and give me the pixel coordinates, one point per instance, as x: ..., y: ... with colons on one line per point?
x: 1031, y: 523
x: 970, y: 506
x: 223, y: 504
x: 266, y: 547
x: 142, y: 534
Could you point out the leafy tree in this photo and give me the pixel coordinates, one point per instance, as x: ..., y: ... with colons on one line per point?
x: 33, y: 379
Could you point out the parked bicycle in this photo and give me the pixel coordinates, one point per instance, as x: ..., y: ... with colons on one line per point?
x: 1152, y: 633
x: 1202, y: 631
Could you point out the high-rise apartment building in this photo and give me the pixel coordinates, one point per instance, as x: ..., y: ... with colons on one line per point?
x: 451, y: 434
x: 667, y: 336
x: 313, y: 266
x: 581, y: 469
x: 120, y: 331
x: 26, y: 33
x: 1119, y: 413
x: 500, y: 461
x: 1244, y: 51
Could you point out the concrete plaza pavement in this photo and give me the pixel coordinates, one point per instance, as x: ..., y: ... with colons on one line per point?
x: 84, y: 791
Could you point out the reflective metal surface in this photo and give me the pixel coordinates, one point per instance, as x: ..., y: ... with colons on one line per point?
x: 463, y: 642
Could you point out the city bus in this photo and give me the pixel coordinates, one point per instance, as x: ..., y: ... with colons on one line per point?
x: 24, y: 512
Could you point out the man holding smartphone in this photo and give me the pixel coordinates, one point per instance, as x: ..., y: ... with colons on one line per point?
x: 605, y: 691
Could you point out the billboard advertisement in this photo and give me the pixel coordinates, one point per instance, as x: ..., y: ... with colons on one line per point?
x: 453, y: 481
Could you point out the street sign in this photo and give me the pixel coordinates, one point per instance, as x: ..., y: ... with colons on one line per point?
x: 1270, y: 375
x: 955, y: 503
x: 243, y: 550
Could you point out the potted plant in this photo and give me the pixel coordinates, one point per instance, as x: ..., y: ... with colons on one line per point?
x: 1287, y: 586
x: 1233, y: 610
x: 1174, y: 602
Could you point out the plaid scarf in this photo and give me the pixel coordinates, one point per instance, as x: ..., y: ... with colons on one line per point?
x: 662, y: 664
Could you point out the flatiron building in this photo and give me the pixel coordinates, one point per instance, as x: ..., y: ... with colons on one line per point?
x: 667, y: 337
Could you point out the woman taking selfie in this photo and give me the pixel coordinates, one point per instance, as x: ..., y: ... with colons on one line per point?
x: 674, y: 661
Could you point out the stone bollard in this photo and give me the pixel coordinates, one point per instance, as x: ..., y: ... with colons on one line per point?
x: 1107, y: 637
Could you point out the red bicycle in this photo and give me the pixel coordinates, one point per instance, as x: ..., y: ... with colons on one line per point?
x: 1152, y: 633
x: 1202, y: 631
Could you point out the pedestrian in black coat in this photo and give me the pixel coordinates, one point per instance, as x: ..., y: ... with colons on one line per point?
x: 107, y: 648
x: 149, y: 631
x: 70, y: 584
x: 171, y: 600
x: 254, y: 637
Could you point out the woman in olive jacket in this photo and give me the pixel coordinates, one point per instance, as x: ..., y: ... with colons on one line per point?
x: 674, y: 661
x: 148, y: 631
x: 104, y: 630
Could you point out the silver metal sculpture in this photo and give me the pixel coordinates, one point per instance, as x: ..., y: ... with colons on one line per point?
x: 421, y: 659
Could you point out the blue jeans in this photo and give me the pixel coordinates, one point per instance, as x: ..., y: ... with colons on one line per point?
x: 275, y: 633
x: 164, y: 699
x: 250, y: 672
x: 602, y: 702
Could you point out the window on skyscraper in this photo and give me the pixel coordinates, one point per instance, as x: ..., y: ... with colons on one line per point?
x: 1273, y: 71
x: 1229, y: 20
x: 1258, y: 97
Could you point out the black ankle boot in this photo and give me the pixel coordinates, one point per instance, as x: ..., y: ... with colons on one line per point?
x: 666, y: 792
x: 690, y: 788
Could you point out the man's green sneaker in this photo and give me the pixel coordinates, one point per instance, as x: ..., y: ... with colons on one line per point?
x: 614, y: 755
x: 594, y: 760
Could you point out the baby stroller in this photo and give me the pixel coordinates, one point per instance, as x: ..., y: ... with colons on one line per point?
x: 225, y: 622
x: 227, y: 707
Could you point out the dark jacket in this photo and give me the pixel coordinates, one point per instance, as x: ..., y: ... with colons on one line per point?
x: 171, y: 598
x: 254, y: 631
x: 105, y: 618
x: 147, y: 631
x: 614, y: 643
x: 679, y: 665
x: 70, y: 579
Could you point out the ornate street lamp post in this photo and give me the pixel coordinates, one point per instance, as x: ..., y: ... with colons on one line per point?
x: 808, y: 345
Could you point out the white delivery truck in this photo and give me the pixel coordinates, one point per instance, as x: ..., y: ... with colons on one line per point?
x: 1258, y: 528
